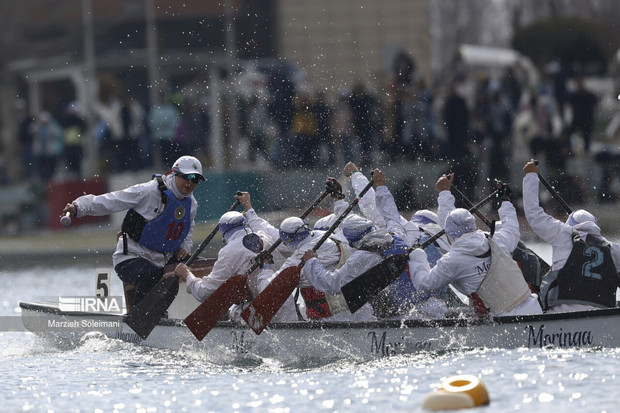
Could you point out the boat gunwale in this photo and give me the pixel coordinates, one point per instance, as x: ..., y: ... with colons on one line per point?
x: 328, y: 325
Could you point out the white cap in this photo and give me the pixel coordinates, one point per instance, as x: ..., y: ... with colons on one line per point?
x: 293, y: 230
x: 424, y: 216
x: 188, y: 165
x: 460, y: 221
x: 579, y: 217
x: 231, y: 222
x: 355, y: 227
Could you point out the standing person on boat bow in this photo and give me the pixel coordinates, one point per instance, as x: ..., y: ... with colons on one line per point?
x: 584, y: 273
x: 158, y: 227
x: 477, y: 265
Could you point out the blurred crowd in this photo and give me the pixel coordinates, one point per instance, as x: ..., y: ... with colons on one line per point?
x: 483, y: 126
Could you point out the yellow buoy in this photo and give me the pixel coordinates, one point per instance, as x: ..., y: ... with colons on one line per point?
x: 458, y: 392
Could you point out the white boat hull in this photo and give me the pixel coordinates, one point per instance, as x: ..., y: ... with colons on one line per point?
x: 588, y: 329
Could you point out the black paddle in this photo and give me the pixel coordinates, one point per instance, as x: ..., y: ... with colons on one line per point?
x: 148, y: 312
x: 360, y: 290
x: 544, y: 267
x: 207, y: 314
x: 554, y: 193
x: 268, y: 302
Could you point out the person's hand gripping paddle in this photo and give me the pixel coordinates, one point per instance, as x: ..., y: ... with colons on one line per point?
x: 268, y: 302
x: 207, y: 314
x: 148, y: 312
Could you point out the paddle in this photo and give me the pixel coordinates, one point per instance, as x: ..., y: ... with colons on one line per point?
x: 544, y: 267
x: 268, y: 302
x: 360, y: 290
x: 148, y: 312
x: 207, y: 314
x: 554, y: 193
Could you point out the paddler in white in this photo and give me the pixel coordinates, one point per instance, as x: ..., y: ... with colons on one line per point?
x: 159, y: 224
x: 584, y: 273
x: 296, y: 238
x: 479, y: 267
x: 242, y: 244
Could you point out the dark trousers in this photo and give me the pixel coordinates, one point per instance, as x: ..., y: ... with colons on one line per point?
x: 141, y: 273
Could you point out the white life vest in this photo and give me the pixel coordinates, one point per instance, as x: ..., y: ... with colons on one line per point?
x: 503, y: 288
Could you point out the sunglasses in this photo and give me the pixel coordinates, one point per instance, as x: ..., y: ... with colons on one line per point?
x: 195, y: 178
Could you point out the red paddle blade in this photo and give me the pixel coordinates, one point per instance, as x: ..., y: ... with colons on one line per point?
x: 268, y: 302
x: 204, y: 318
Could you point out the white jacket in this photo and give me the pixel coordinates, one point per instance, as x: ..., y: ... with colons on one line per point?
x: 460, y: 266
x: 367, y: 204
x: 554, y: 231
x: 145, y: 199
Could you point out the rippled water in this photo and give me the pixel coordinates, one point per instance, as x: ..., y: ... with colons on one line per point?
x: 105, y: 375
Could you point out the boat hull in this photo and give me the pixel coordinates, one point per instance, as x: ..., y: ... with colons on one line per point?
x: 588, y: 329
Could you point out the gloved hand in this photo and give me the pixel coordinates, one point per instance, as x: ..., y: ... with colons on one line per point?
x: 505, y: 193
x: 263, y: 258
x: 333, y: 186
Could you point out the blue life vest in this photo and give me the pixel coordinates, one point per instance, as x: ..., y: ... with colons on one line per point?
x: 165, y: 233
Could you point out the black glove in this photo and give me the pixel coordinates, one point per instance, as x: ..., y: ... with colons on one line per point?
x: 333, y: 186
x: 505, y: 193
x: 263, y: 257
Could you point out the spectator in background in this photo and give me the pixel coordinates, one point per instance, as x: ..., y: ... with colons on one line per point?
x: 74, y: 128
x: 459, y: 151
x: 343, y: 130
x: 582, y: 103
x: 403, y: 69
x: 163, y: 122
x: 25, y: 141
x: 192, y: 128
x: 47, y: 145
x: 424, y: 125
x: 304, y: 128
x: 132, y: 115
x: 323, y: 114
x: 500, y: 128
x: 258, y: 126
x: 109, y: 113
x: 511, y: 88
x: 362, y: 104
x: 281, y: 109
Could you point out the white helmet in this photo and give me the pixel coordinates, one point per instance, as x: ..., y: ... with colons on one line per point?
x: 293, y: 230
x: 579, y: 217
x: 230, y: 223
x: 460, y: 221
x: 356, y: 227
x: 424, y: 216
x: 324, y: 223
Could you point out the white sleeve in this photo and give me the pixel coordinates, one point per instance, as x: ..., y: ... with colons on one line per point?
x: 445, y: 205
x: 387, y: 207
x: 202, y: 288
x: 423, y: 277
x: 257, y: 223
x: 367, y: 203
x: 545, y: 226
x: 111, y: 202
x: 331, y: 282
x: 508, y: 236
